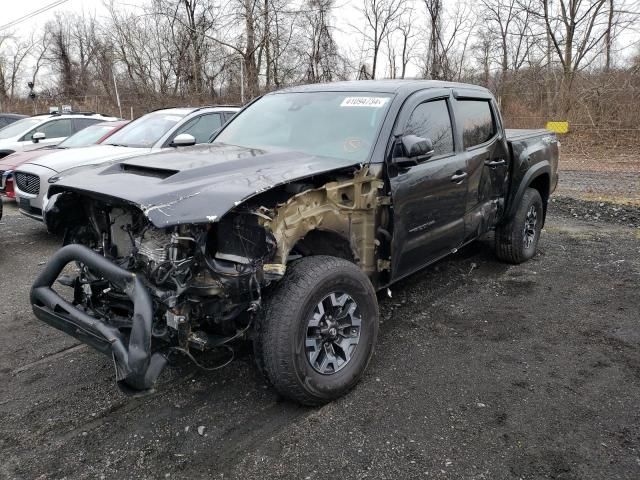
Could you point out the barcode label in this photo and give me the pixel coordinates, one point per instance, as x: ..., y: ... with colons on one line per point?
x: 371, y: 102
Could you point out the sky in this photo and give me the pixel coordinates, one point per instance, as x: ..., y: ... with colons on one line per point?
x: 12, y: 10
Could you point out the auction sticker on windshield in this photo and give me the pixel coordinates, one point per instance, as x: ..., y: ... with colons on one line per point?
x: 371, y: 102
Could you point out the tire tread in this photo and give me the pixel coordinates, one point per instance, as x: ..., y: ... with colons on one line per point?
x: 508, y: 241
x: 271, y: 355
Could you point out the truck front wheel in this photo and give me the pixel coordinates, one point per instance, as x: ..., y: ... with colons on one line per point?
x: 517, y: 240
x: 317, y: 330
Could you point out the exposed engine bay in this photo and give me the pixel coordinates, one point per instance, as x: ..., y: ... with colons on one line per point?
x: 206, y: 281
x: 200, y: 281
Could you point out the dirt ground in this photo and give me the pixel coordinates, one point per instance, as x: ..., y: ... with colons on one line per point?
x: 482, y: 371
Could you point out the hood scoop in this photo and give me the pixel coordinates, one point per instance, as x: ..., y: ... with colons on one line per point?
x: 148, y: 171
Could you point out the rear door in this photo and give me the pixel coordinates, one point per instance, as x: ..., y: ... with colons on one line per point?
x: 428, y: 198
x: 487, y: 157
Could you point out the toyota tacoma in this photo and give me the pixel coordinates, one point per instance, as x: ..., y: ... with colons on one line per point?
x: 282, y: 229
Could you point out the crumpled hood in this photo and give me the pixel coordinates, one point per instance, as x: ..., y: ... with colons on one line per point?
x: 197, y: 184
x: 11, y: 162
x: 60, y: 160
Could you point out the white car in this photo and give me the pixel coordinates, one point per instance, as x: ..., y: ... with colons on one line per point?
x: 45, y: 129
x: 155, y: 131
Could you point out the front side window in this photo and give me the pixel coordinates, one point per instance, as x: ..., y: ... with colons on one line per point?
x: 477, y: 122
x: 146, y: 130
x: 340, y: 125
x: 431, y: 120
x: 55, y: 129
x: 201, y: 127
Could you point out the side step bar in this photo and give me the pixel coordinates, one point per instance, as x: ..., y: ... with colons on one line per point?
x: 136, y: 367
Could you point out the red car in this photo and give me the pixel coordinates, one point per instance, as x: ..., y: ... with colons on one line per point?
x: 91, y: 135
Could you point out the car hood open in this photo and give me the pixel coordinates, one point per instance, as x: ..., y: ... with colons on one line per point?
x: 197, y: 184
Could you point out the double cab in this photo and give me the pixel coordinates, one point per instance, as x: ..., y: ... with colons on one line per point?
x: 281, y: 230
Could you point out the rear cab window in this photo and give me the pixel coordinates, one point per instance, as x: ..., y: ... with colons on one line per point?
x: 478, y: 122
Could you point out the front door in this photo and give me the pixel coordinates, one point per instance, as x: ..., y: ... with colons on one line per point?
x: 428, y: 198
x: 55, y: 131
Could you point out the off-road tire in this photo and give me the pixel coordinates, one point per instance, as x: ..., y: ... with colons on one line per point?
x: 279, y: 342
x: 510, y: 237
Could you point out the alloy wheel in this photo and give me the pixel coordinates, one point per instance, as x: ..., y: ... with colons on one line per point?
x: 530, y: 226
x: 333, y: 333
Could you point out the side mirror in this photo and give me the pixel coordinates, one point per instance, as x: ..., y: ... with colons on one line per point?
x: 416, y: 149
x: 36, y: 137
x: 183, y: 140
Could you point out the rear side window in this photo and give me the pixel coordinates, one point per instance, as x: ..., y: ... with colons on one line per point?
x: 81, y: 123
x: 431, y: 120
x: 477, y: 122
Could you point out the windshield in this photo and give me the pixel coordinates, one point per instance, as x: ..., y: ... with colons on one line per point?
x: 332, y: 124
x: 19, y: 127
x: 146, y: 130
x: 87, y: 136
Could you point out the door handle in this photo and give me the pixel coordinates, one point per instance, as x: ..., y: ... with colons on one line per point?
x: 459, y: 176
x: 495, y: 163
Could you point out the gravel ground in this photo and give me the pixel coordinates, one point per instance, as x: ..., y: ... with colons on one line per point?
x: 620, y: 186
x: 483, y: 371
x: 626, y: 215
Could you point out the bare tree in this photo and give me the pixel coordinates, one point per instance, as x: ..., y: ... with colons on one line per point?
x: 380, y: 17
x: 14, y: 52
x: 575, y: 33
x: 509, y: 26
x: 319, y: 47
x: 447, y: 47
x: 434, y: 56
x: 401, y: 43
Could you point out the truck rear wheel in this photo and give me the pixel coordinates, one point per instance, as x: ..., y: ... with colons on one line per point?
x: 317, y: 330
x: 517, y: 240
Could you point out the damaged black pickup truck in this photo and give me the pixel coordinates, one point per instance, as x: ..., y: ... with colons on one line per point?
x: 283, y: 228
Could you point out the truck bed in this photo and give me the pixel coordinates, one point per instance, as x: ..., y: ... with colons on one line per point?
x: 514, y: 134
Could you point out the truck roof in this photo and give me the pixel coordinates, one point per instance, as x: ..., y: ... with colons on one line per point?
x: 382, y: 86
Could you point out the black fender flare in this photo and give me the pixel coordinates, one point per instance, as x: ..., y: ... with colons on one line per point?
x: 534, y: 172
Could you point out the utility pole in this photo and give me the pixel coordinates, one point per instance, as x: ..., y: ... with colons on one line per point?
x: 242, y: 81
x: 115, y: 85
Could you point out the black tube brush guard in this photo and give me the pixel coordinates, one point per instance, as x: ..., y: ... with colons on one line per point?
x: 136, y: 367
